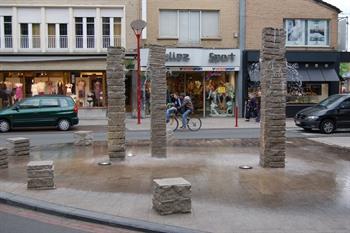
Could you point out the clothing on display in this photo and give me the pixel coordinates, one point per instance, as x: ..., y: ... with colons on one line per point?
x: 69, y: 89
x: 81, y: 88
x: 60, y: 88
x: 34, y: 89
x: 19, y: 91
x: 41, y: 87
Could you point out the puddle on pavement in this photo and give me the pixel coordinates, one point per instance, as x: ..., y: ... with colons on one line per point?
x: 313, y: 173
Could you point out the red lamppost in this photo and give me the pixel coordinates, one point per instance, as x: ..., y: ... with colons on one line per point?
x: 137, y: 26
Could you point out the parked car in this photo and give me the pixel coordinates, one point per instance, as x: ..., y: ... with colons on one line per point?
x: 330, y: 114
x: 40, y: 111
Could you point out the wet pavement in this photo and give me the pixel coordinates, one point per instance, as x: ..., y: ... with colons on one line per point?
x: 312, y: 194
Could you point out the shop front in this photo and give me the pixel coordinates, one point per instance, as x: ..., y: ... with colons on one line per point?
x: 208, y: 76
x: 86, y: 88
x: 30, y: 76
x: 311, y: 77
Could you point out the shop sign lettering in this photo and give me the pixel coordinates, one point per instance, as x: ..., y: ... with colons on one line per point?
x: 177, y: 57
x: 216, y: 58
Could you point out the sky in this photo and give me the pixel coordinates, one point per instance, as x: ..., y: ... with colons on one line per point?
x: 344, y: 6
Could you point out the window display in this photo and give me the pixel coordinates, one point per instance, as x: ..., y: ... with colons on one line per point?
x: 220, y: 94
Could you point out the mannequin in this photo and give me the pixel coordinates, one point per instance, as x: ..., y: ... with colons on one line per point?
x: 69, y: 88
x: 41, y: 87
x: 19, y: 91
x: 34, y: 89
x: 81, y: 89
x: 97, y: 91
x: 60, y: 88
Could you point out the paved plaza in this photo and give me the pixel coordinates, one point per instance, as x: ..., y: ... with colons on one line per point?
x: 310, y: 195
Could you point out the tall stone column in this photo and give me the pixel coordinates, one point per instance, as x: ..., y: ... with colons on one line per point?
x: 116, y: 103
x: 273, y: 71
x: 157, y: 73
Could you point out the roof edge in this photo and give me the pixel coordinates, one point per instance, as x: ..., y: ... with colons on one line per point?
x: 329, y: 5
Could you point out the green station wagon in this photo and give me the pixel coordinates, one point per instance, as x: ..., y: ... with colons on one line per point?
x: 40, y: 111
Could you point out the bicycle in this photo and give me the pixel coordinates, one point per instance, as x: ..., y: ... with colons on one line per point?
x: 193, y: 123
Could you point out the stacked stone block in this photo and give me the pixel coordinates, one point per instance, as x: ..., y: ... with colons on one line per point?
x: 83, y: 138
x: 116, y: 103
x: 171, y: 196
x: 3, y: 157
x: 19, y: 146
x: 40, y: 175
x: 273, y: 73
x: 157, y: 71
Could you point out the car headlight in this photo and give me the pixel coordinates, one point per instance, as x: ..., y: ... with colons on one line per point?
x: 312, y: 117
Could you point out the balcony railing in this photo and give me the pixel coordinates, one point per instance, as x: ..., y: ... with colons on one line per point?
x: 26, y: 43
x: 7, y: 44
x: 52, y: 42
x: 89, y: 40
x: 108, y: 41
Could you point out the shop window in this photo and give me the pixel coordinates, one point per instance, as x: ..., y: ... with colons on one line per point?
x: 310, y: 32
x: 220, y: 95
x: 309, y: 93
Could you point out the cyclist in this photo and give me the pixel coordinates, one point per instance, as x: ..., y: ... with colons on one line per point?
x: 175, y: 104
x: 187, y: 107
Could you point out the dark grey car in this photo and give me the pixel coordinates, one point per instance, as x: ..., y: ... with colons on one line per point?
x: 330, y: 114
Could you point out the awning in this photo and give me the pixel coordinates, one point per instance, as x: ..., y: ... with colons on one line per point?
x: 305, y: 75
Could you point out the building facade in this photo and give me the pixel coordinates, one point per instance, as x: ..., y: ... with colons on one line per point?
x: 311, y: 44
x: 203, y: 59
x: 59, y: 47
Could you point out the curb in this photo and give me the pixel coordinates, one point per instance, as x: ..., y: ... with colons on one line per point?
x: 90, y: 216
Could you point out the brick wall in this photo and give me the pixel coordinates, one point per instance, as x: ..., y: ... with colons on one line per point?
x: 270, y: 13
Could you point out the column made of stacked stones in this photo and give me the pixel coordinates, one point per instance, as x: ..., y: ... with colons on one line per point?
x: 157, y: 72
x: 116, y: 103
x: 273, y: 71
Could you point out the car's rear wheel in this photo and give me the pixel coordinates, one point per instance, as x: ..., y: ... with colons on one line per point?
x: 63, y: 124
x: 4, y: 126
x: 327, y: 126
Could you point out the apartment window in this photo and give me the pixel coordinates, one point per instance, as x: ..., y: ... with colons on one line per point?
x: 111, y: 31
x: 6, y: 37
x: 210, y: 24
x: 85, y: 32
x: 30, y: 35
x: 189, y: 26
x: 57, y: 36
x: 310, y: 32
x: 90, y: 28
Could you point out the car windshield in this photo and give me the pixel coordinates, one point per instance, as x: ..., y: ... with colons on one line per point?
x: 329, y: 101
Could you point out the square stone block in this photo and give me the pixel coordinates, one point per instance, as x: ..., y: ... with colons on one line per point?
x: 40, y: 165
x: 171, y: 195
x: 18, y: 140
x: 45, y: 173
x: 40, y: 183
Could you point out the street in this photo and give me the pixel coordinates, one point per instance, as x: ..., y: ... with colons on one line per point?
x: 17, y: 220
x: 52, y: 136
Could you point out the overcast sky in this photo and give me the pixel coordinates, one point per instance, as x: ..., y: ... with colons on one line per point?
x: 343, y: 5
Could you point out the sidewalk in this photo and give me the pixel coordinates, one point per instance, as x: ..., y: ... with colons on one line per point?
x: 207, y: 123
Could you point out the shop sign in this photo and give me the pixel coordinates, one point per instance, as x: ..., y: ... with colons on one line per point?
x: 177, y: 57
x: 217, y: 58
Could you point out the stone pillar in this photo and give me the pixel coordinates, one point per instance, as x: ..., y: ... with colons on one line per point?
x: 3, y: 158
x: 116, y: 103
x: 273, y: 73
x: 157, y: 73
x: 19, y: 146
